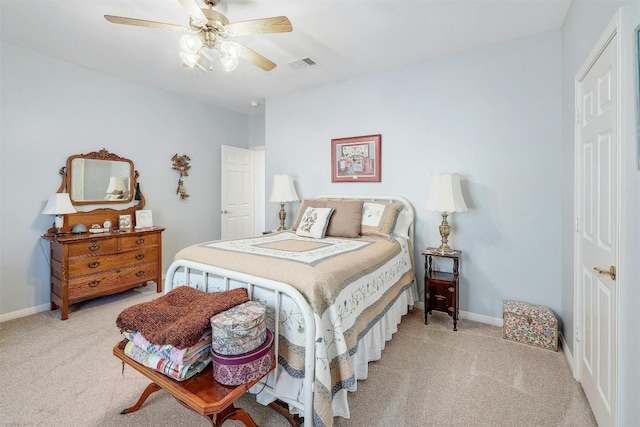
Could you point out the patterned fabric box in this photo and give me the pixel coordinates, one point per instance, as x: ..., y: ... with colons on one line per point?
x: 239, y: 330
x: 530, y: 324
x: 244, y: 368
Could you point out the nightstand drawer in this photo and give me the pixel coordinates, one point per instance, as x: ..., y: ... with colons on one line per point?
x: 441, y: 295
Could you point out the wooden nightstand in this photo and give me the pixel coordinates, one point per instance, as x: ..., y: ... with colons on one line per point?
x: 441, y: 288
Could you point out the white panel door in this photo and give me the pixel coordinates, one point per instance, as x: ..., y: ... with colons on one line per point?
x: 597, y: 177
x: 238, y: 206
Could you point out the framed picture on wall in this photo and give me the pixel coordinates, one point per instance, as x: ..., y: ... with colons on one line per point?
x: 356, y: 159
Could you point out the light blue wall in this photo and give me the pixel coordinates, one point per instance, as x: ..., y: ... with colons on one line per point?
x: 52, y: 109
x: 492, y: 115
x: 584, y: 24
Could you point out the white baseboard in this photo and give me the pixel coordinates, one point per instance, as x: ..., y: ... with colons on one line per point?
x: 567, y: 353
x: 30, y: 310
x: 24, y: 312
x: 495, y: 321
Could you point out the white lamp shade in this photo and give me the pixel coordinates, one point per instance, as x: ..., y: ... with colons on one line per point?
x: 445, y: 194
x: 59, y: 204
x: 116, y: 183
x: 283, y: 189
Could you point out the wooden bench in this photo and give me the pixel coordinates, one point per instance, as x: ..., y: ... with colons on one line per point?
x: 200, y: 393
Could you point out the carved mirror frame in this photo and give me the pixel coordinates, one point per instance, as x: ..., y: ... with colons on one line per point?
x: 100, y: 215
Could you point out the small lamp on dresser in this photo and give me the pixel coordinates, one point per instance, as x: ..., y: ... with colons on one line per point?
x: 283, y: 191
x: 58, y: 205
x: 445, y: 196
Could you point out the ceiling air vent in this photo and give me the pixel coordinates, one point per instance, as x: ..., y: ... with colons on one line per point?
x: 303, y: 63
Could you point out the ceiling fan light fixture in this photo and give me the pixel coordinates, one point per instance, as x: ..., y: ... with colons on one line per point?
x: 229, y: 63
x: 190, y: 43
x: 230, y: 48
x: 190, y: 59
x: 229, y: 54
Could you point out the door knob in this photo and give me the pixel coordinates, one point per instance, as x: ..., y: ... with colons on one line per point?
x: 225, y: 212
x: 611, y: 271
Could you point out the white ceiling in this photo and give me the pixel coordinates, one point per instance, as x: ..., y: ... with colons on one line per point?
x: 345, y: 37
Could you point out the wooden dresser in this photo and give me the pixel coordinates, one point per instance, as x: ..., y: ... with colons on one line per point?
x: 88, y: 265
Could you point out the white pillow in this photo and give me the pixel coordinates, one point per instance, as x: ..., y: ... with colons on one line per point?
x: 405, y: 218
x: 314, y: 222
x: 379, y: 219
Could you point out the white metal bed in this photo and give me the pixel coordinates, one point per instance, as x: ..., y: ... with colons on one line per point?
x: 279, y: 298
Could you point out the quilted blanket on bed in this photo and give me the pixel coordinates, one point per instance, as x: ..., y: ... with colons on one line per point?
x: 349, y: 283
x: 180, y: 317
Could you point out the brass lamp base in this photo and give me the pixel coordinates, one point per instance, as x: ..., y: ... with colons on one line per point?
x: 283, y: 216
x: 445, y: 230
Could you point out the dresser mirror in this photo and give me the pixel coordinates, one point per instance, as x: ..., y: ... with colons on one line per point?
x: 99, y: 177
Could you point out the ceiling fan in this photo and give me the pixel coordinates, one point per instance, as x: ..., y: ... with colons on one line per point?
x: 210, y: 30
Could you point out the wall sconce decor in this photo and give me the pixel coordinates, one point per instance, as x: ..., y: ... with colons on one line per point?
x: 181, y: 164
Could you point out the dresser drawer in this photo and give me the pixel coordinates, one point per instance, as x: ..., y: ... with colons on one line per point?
x: 139, y: 256
x: 82, y: 266
x: 112, y: 281
x: 129, y: 242
x: 94, y: 246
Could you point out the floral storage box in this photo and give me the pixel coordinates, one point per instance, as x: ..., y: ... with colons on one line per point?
x: 530, y: 324
x: 239, y: 330
x: 244, y: 368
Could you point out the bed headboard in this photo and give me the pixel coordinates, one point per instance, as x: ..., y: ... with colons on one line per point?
x: 384, y: 199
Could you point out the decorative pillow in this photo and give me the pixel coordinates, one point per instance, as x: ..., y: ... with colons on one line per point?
x: 346, y: 218
x: 308, y: 203
x: 405, y: 218
x: 314, y: 222
x: 379, y: 219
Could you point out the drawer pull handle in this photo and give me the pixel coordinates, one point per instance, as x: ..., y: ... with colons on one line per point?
x: 139, y: 256
x: 140, y: 273
x: 140, y: 241
x: 94, y: 283
x: 94, y: 246
x: 94, y: 264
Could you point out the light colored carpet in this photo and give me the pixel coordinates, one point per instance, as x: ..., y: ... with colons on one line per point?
x: 63, y: 373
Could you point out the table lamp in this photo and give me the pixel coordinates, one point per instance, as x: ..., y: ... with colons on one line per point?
x: 445, y: 196
x: 283, y: 191
x: 116, y: 188
x: 58, y: 205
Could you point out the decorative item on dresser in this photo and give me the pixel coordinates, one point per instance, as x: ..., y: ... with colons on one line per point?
x: 106, y: 260
x: 441, y: 288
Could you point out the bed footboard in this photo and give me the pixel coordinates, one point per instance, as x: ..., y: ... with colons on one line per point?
x: 274, y: 294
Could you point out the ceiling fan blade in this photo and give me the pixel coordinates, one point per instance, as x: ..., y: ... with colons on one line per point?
x: 143, y: 23
x: 256, y: 59
x: 193, y: 9
x: 277, y: 24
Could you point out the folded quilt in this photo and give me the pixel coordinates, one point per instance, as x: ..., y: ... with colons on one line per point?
x: 181, y: 356
x: 180, y: 317
x: 165, y: 366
